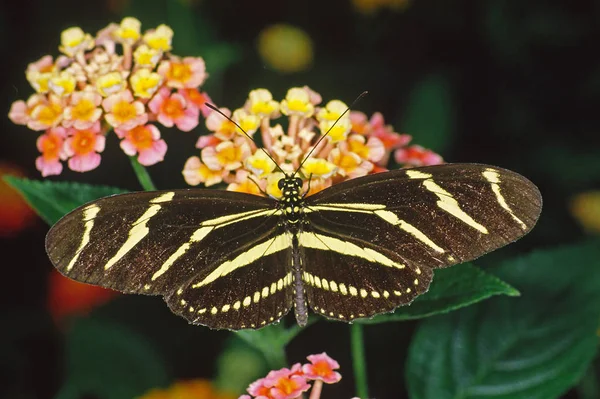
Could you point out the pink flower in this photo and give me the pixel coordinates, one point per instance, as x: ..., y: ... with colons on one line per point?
x: 195, y: 172
x: 83, y: 111
x: 371, y: 149
x: 259, y: 389
x: 187, y: 73
x: 391, y: 140
x: 172, y: 109
x: 206, y: 141
x: 224, y: 129
x: 19, y: 113
x: 321, y: 368
x: 416, y: 155
x: 145, y: 141
x: 285, y: 385
x: 227, y: 155
x: 123, y: 112
x: 197, y: 99
x: 245, y: 397
x: 83, y: 147
x: 50, y: 145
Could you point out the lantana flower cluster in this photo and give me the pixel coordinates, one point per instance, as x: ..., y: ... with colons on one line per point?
x: 121, y: 80
x: 291, y: 383
x: 354, y: 146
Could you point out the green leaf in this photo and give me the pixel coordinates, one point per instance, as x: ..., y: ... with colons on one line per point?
x: 271, y: 342
x: 430, y: 114
x: 107, y: 360
x: 451, y: 289
x: 535, y: 346
x: 53, y: 200
x: 238, y: 365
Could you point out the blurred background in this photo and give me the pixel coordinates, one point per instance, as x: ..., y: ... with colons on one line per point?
x: 510, y: 83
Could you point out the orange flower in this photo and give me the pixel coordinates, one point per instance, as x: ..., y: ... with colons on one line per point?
x: 83, y: 148
x: 15, y: 213
x: 321, y: 368
x: 50, y: 144
x: 192, y: 389
x: 67, y: 297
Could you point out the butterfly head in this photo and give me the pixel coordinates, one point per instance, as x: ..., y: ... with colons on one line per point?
x: 291, y: 201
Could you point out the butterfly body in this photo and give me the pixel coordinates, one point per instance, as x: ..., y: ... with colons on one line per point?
x: 232, y: 260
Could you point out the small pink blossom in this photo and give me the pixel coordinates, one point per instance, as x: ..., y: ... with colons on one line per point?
x: 197, y: 99
x: 223, y: 128
x: 190, y: 72
x: 321, y: 368
x: 19, y: 113
x: 172, y: 109
x: 391, y: 140
x: 83, y: 148
x: 285, y: 385
x: 207, y: 141
x: 227, y: 155
x: 416, y: 155
x: 145, y: 141
x: 50, y: 145
x: 371, y: 149
x: 259, y: 389
x: 196, y: 172
x: 122, y: 112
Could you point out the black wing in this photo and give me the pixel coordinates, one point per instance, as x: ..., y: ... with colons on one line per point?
x: 194, y: 247
x: 383, y: 234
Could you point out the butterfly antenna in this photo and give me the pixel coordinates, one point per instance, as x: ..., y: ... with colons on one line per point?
x: 364, y: 93
x: 214, y: 108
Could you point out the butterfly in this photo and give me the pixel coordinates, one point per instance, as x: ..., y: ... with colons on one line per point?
x: 232, y: 260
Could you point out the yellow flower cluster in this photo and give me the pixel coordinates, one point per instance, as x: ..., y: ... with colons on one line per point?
x: 350, y: 149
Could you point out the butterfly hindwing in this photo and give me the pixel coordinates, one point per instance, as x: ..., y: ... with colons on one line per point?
x: 250, y: 288
x: 423, y: 218
x: 347, y: 277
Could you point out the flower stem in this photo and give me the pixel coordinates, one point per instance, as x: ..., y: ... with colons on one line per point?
x: 142, y: 175
x: 315, y: 392
x: 359, y: 362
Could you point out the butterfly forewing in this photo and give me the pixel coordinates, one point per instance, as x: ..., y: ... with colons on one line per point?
x: 158, y: 242
x: 427, y: 217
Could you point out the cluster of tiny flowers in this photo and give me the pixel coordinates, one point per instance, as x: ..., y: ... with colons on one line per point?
x: 354, y: 146
x: 291, y: 383
x: 92, y: 88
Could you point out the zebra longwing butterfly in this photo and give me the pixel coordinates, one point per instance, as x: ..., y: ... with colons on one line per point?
x: 232, y: 260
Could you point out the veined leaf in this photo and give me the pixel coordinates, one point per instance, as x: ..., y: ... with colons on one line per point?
x: 451, y: 289
x: 52, y: 200
x: 535, y: 346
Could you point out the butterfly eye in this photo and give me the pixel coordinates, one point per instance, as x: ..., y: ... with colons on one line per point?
x: 280, y: 184
x: 298, y: 182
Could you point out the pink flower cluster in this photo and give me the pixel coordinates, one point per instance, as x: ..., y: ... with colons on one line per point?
x: 354, y: 146
x: 91, y: 89
x: 291, y: 383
